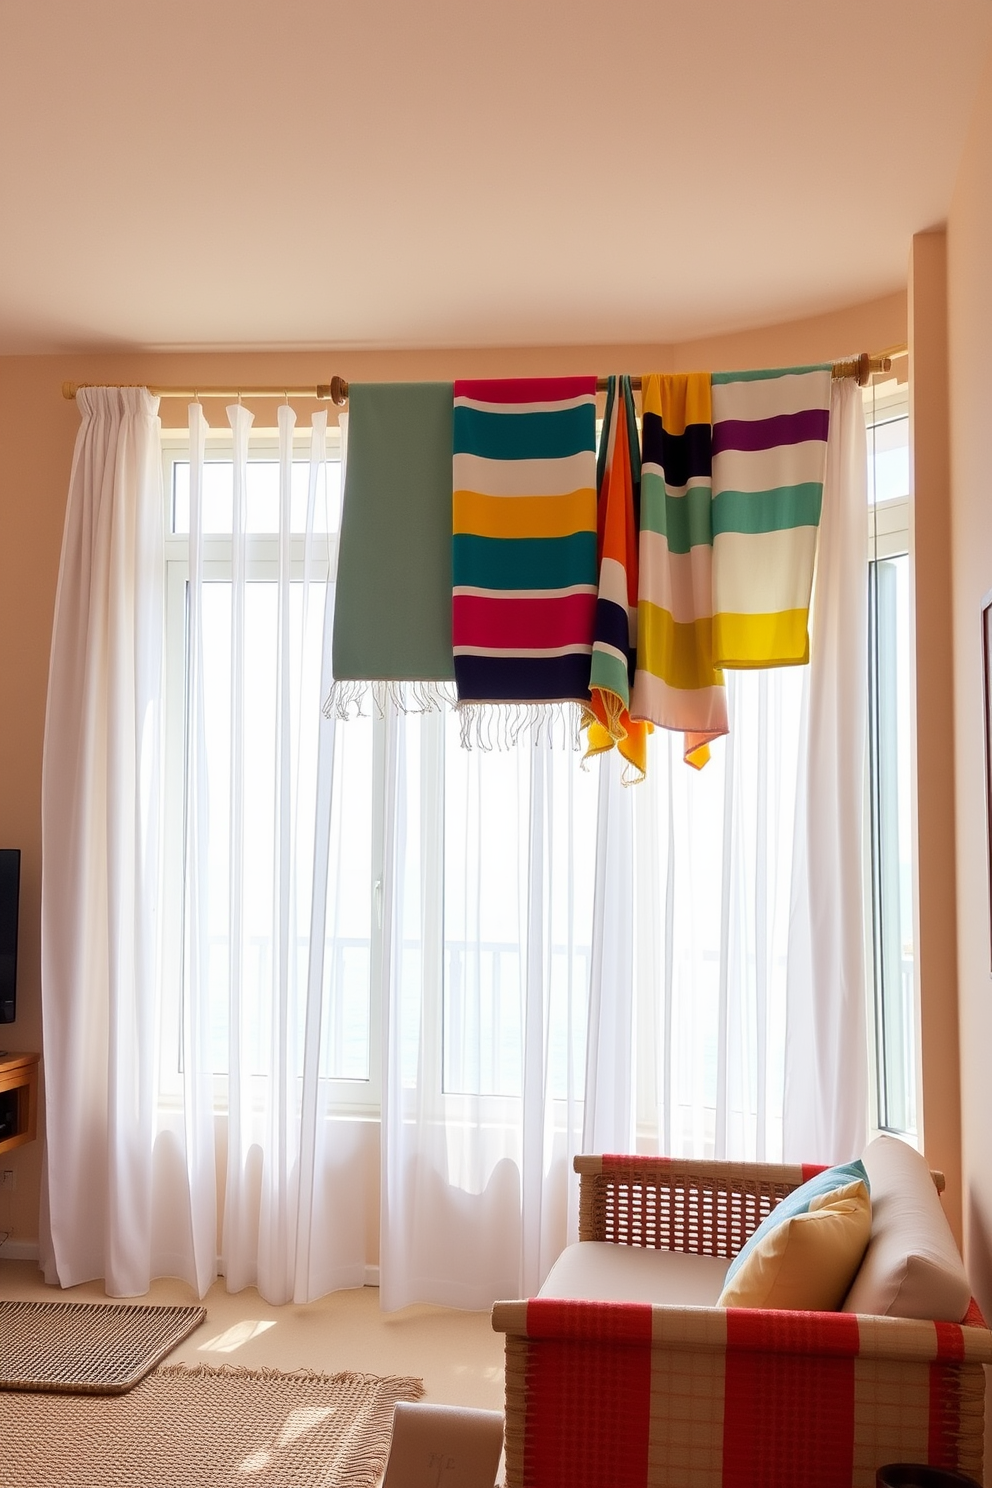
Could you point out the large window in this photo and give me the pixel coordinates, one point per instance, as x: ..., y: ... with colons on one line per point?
x: 485, y: 802
x: 498, y: 857
x: 891, y: 879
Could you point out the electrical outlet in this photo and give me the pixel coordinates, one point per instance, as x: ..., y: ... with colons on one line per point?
x: 8, y: 1179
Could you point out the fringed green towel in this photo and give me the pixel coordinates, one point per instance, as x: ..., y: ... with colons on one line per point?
x: 392, y: 608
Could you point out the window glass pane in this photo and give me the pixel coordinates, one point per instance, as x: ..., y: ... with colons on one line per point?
x: 263, y: 497
x: 345, y: 1034
x: 486, y: 808
x: 573, y: 797
x: 254, y: 973
x: 892, y: 866
x: 413, y: 741
x: 888, y: 460
x: 242, y: 961
x: 518, y: 901
x: 218, y: 489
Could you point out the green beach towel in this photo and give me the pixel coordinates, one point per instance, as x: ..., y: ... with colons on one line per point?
x: 392, y: 610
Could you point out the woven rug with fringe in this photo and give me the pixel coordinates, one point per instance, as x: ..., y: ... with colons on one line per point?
x: 206, y: 1427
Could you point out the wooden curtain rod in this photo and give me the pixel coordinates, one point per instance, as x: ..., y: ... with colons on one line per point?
x: 323, y: 391
x: 860, y: 367
x: 336, y: 391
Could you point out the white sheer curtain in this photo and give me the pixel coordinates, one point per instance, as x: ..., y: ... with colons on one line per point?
x: 736, y: 1028
x: 263, y: 876
x: 488, y: 909
x: 826, y: 1084
x: 563, y: 963
x: 194, y: 1117
x: 101, y: 817
x: 706, y: 928
x: 687, y: 1033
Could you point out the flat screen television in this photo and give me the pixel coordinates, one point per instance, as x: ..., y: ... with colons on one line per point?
x: 10, y: 886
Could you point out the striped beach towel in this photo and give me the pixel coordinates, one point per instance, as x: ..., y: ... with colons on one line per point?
x: 618, y: 481
x: 769, y: 454
x: 677, y: 684
x: 524, y: 539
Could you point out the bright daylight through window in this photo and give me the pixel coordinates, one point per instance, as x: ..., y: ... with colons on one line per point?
x: 479, y: 877
x: 486, y: 829
x: 891, y: 966
x: 348, y: 1022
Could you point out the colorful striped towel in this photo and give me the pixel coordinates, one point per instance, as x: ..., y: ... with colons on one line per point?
x: 769, y: 455
x: 614, y: 652
x: 524, y: 539
x: 677, y: 684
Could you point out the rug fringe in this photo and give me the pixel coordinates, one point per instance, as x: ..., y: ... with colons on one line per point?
x: 407, y: 1383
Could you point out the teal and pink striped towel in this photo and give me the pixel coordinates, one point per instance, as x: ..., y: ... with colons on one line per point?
x: 524, y: 564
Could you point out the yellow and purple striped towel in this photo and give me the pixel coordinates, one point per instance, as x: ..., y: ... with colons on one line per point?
x: 524, y: 539
x: 677, y: 684
x: 769, y: 455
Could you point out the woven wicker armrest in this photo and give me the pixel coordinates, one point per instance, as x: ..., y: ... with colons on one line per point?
x: 704, y: 1207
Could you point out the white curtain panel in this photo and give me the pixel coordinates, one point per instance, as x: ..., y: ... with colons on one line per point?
x: 101, y: 817
x: 735, y: 1026
x: 565, y: 963
x: 264, y: 870
x: 194, y: 1081
x: 688, y: 1004
x: 488, y: 912
x: 826, y: 1084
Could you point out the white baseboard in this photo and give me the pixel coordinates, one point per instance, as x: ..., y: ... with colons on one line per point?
x: 27, y: 1250
x: 19, y: 1250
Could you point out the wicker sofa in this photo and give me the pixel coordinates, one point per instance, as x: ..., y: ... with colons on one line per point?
x: 623, y: 1394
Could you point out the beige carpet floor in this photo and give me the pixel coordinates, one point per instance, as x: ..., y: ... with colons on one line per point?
x: 456, y: 1354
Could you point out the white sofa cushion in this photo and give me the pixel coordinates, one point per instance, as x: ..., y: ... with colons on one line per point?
x: 600, y: 1271
x: 911, y: 1268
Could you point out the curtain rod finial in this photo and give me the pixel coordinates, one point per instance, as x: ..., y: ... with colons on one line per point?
x: 338, y: 391
x: 69, y: 390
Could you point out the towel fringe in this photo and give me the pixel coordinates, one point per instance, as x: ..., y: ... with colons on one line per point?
x: 486, y: 726
x: 394, y: 697
x: 502, y: 726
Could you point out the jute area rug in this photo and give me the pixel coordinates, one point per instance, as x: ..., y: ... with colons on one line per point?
x: 204, y: 1427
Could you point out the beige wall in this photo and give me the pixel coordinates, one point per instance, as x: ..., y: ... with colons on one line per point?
x: 969, y: 238
x: 37, y: 431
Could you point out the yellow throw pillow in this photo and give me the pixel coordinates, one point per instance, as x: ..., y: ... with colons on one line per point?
x: 808, y: 1260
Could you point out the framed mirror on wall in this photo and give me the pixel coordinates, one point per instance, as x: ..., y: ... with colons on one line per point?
x: 987, y: 709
